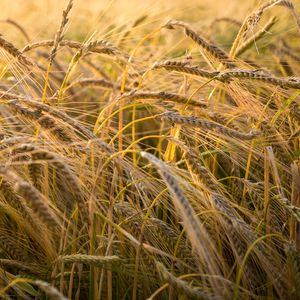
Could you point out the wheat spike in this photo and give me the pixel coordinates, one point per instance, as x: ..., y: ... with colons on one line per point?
x: 14, y: 51
x: 95, y: 82
x: 182, y: 67
x: 61, y: 31
x: 94, y: 260
x: 36, y: 200
x: 196, y: 232
x: 171, y: 97
x: 256, y: 37
x: 210, y: 48
x: 288, y: 82
x: 52, y: 292
x: 205, y: 124
x: 46, y: 121
x: 99, y: 46
x: 181, y: 286
x: 62, y: 167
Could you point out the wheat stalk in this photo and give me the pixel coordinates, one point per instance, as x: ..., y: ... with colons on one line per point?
x: 294, y: 265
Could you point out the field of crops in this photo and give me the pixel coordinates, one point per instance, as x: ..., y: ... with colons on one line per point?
x: 150, y: 149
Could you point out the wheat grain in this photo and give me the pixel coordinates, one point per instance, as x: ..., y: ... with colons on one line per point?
x: 288, y: 4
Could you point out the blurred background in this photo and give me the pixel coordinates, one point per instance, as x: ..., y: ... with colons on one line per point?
x: 100, y: 15
x: 108, y: 18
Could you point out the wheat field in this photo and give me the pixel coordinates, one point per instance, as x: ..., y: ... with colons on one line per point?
x: 150, y: 149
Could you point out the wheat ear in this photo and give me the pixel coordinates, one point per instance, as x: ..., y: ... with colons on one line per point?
x: 259, y: 75
x: 99, y: 46
x: 14, y: 51
x: 219, y: 54
x: 61, y: 31
x: 93, y: 260
x: 51, y: 291
x: 183, y: 67
x: 63, y: 168
x: 195, y: 230
x: 256, y: 37
x: 95, y: 82
x: 286, y: 3
x: 46, y: 121
x: 205, y: 124
x: 181, y: 286
x: 35, y: 199
x: 171, y: 97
